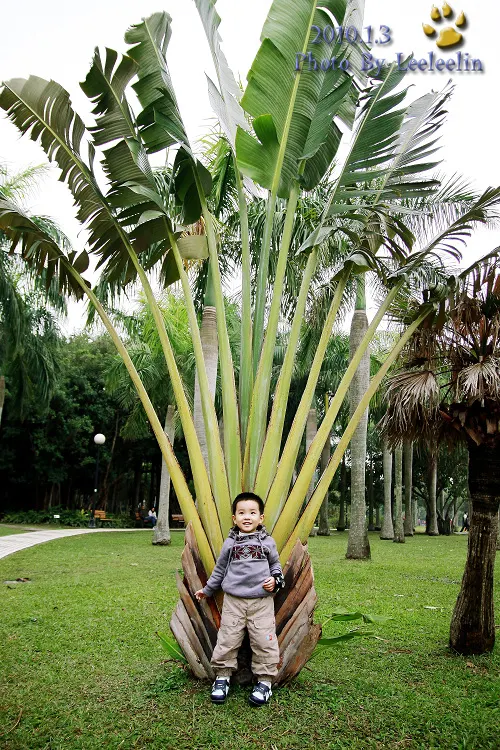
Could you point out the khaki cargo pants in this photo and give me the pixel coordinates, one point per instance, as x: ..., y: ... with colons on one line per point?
x: 257, y: 616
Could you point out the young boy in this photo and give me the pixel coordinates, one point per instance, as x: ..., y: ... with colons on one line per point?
x: 249, y: 572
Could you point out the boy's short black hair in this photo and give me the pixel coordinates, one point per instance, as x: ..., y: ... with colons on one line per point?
x: 248, y: 496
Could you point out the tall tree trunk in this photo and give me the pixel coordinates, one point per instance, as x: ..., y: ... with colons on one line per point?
x: 408, y: 471
x: 440, y: 504
x: 415, y: 514
x: 371, y: 525
x: 161, y: 533
x: 105, y: 484
x: 2, y: 395
x: 432, y: 528
x: 324, y: 523
x: 377, y: 517
x: 387, y: 531
x: 343, y: 492
x: 210, y: 346
x: 399, y: 533
x: 472, y: 629
x: 311, y: 430
x: 358, y: 546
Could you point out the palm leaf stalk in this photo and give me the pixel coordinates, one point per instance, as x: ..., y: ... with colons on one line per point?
x: 186, y: 501
x: 226, y: 104
x: 258, y: 411
x: 232, y: 444
x: 380, y: 101
x: 279, y: 488
x: 200, y: 475
x: 270, y: 451
x: 160, y: 124
x: 284, y: 539
x: 246, y: 360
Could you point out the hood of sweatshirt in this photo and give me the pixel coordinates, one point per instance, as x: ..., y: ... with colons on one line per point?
x: 260, y: 532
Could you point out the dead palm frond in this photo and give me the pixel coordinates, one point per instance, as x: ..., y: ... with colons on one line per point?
x: 413, y: 407
x: 481, y: 380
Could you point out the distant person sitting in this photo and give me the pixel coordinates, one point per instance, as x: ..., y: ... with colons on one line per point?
x: 465, y: 523
x: 152, y: 517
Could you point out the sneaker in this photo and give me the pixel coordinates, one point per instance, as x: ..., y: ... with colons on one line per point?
x: 220, y: 689
x: 260, y: 695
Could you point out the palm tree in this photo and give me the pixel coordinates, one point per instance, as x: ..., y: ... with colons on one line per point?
x: 387, y: 531
x: 399, y: 534
x: 408, y: 481
x: 453, y: 391
x: 358, y: 546
x: 29, y: 332
x: 285, y: 139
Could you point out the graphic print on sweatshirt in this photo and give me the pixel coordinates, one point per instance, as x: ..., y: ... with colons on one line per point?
x: 248, y: 551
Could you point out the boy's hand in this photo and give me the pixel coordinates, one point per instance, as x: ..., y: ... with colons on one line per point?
x: 269, y: 584
x: 200, y: 595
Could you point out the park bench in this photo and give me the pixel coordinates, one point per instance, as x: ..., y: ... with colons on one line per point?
x: 100, y: 515
x: 178, y: 518
x: 142, y: 521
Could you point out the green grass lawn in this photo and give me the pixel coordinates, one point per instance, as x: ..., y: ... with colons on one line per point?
x: 83, y: 668
x: 7, y: 529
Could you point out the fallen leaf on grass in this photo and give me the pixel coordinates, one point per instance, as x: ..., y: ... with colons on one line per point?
x: 399, y: 651
x: 14, y: 725
x: 433, y: 608
x: 476, y: 669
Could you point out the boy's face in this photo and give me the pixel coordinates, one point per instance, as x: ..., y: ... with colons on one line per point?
x: 248, y: 515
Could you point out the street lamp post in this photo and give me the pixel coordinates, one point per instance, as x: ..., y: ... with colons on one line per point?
x: 99, y: 440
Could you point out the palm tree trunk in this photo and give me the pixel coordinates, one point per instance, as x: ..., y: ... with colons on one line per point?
x: 195, y: 624
x: 387, y: 531
x: 343, y: 491
x: 472, y: 628
x: 408, y: 471
x: 371, y: 525
x: 2, y: 395
x: 311, y: 430
x: 399, y: 533
x: 105, y: 483
x: 324, y: 523
x: 415, y: 514
x: 358, y: 546
x: 377, y: 517
x: 433, y: 529
x: 161, y: 533
x: 210, y: 346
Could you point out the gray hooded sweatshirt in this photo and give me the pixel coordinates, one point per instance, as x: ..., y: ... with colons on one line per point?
x: 245, y: 561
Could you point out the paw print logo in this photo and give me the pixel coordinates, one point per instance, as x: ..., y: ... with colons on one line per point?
x: 449, y: 36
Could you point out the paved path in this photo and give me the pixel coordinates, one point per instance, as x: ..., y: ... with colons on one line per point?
x: 17, y: 542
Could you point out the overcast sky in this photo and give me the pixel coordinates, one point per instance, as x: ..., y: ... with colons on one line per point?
x: 56, y: 40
